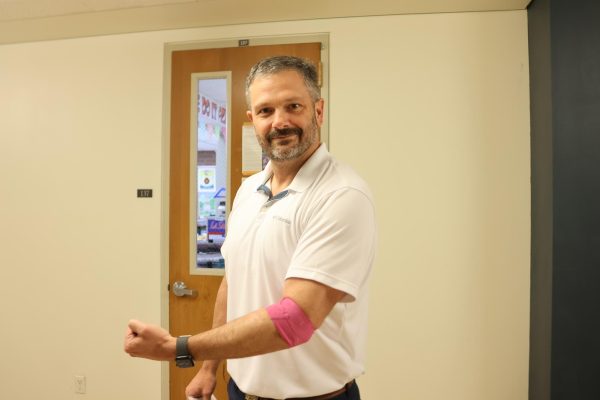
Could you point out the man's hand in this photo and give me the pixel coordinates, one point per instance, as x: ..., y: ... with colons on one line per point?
x: 204, y: 383
x: 149, y: 341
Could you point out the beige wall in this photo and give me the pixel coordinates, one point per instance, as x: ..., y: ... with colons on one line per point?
x: 431, y: 109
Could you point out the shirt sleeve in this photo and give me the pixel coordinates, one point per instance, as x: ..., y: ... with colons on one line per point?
x: 337, y: 245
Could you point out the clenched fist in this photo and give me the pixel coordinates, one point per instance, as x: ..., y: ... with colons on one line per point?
x: 149, y: 341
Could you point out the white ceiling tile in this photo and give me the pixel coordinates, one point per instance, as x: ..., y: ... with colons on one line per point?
x: 33, y: 20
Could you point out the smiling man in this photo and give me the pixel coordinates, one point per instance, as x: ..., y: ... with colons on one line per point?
x: 286, y: 115
x: 291, y: 313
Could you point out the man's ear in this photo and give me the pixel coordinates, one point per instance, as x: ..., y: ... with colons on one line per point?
x: 249, y: 115
x: 319, y: 107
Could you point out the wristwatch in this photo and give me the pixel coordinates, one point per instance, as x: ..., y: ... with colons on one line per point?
x: 183, y: 358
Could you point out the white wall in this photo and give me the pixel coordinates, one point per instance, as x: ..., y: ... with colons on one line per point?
x: 431, y: 109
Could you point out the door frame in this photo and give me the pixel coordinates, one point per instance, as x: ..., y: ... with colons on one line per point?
x: 169, y: 48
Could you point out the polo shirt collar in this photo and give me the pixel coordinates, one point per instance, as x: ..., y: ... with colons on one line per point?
x: 307, y: 173
x: 310, y: 170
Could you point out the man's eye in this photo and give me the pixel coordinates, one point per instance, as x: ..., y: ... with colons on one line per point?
x: 263, y: 111
x: 295, y: 106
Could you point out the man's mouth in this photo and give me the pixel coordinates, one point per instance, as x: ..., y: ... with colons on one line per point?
x: 286, y: 136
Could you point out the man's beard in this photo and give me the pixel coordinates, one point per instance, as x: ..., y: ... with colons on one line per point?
x: 306, y: 138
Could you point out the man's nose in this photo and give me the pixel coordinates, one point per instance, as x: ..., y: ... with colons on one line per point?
x: 281, y: 119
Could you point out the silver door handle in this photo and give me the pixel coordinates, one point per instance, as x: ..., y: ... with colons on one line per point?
x: 180, y: 290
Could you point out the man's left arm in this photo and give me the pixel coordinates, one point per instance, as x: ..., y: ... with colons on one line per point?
x: 250, y: 335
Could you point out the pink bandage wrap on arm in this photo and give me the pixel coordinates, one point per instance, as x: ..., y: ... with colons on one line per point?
x: 291, y: 322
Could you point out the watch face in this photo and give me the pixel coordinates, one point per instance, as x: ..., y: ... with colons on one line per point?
x: 184, y: 362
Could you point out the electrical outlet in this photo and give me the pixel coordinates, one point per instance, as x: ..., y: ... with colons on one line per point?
x: 80, y: 384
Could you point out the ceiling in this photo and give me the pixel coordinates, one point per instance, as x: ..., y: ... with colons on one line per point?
x: 33, y: 20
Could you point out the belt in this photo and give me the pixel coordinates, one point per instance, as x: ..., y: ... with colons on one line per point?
x: 325, y: 396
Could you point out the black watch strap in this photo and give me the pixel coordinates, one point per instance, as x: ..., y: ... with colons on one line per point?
x: 183, y: 358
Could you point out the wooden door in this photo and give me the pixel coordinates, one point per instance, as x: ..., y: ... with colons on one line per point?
x: 189, y: 315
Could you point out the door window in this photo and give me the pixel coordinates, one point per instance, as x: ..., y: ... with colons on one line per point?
x: 210, y: 160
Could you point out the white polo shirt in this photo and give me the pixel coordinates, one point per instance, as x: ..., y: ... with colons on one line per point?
x: 322, y: 228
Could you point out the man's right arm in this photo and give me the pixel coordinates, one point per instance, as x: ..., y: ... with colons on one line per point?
x: 203, y: 384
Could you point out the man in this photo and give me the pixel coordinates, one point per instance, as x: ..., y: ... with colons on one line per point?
x: 291, y: 312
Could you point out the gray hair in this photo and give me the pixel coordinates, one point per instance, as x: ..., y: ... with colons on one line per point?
x: 274, y: 65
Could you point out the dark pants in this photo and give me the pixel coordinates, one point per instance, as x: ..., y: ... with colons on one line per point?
x: 351, y: 394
